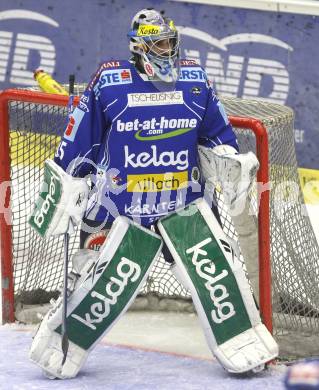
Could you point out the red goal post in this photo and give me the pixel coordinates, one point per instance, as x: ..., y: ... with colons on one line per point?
x: 7, y: 278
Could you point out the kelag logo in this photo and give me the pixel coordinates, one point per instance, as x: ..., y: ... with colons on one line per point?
x: 16, y: 48
x: 233, y: 71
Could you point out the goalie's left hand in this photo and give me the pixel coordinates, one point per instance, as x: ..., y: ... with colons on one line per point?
x: 233, y: 171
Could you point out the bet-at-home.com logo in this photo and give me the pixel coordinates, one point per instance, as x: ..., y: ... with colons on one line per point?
x: 238, y: 75
x: 15, y: 48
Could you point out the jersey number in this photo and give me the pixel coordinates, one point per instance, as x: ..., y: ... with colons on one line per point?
x: 60, y: 151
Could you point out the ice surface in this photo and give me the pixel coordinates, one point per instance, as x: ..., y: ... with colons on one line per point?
x: 119, y: 367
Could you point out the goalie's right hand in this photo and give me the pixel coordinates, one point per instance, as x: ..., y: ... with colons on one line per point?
x: 62, y: 199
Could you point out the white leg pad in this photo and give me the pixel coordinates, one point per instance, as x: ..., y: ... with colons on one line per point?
x: 241, y: 353
x: 47, y: 354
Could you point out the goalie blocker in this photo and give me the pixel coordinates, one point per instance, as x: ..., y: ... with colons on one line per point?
x: 63, y: 199
x: 209, y: 268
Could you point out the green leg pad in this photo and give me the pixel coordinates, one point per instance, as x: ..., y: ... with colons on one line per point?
x: 111, y: 285
x: 200, y: 249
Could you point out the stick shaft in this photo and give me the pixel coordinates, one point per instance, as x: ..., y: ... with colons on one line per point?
x: 65, y: 339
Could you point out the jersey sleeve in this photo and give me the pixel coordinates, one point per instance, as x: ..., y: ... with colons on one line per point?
x: 215, y: 128
x: 84, y: 133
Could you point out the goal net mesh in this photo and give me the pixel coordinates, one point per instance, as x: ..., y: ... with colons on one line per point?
x: 35, y: 131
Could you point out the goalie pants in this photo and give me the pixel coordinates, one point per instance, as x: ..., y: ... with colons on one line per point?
x: 95, y: 237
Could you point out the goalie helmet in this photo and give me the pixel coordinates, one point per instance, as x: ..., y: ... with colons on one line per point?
x: 155, y: 40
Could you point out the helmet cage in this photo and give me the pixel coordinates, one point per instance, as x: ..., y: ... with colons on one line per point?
x: 156, y: 49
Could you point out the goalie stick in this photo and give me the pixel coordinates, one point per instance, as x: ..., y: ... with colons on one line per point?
x: 65, y: 339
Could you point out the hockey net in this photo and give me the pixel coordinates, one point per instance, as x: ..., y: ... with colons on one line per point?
x: 31, y: 126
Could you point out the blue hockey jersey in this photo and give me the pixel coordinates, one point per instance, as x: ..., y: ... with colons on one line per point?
x: 139, y: 143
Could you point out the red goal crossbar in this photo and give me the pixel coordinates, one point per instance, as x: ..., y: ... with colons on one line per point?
x: 7, y: 280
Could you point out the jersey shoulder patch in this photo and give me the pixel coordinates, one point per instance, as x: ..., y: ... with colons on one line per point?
x: 192, y: 72
x: 109, y: 66
x: 111, y: 73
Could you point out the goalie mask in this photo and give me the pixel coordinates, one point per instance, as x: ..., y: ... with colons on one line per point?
x: 155, y: 40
